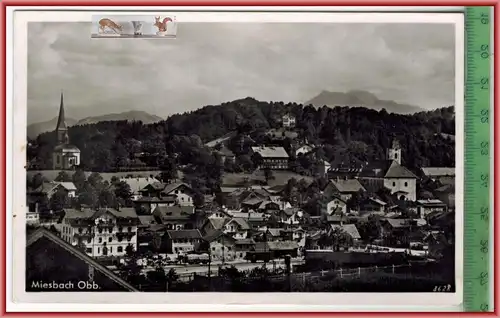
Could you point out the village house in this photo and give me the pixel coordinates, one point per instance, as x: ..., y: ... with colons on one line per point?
x: 144, y: 235
x: 146, y: 205
x: 277, y: 249
x: 136, y: 184
x: 303, y: 150
x: 426, y: 207
x: 223, y: 247
x: 399, y: 232
x: 237, y: 228
x: 175, y: 217
x: 288, y: 120
x: 350, y: 229
x: 443, y: 175
x: 344, y: 188
x: 446, y: 194
x: 275, y: 158
x: 246, y: 197
x: 32, y: 217
x: 290, y: 216
x: 212, y: 225
x: 177, y: 241
x: 391, y: 175
x: 182, y: 192
x: 335, y: 205
x: 336, y: 218
x: 102, y: 232
x: 371, y: 206
x: 48, y: 189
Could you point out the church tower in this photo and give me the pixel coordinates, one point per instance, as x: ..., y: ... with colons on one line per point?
x: 394, y: 153
x: 62, y: 128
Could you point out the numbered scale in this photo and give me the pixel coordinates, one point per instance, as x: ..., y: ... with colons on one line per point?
x: 478, y: 148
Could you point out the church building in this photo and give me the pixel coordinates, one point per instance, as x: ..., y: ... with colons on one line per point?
x: 390, y: 174
x: 65, y: 156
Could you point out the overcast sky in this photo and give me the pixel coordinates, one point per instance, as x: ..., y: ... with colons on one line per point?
x: 210, y: 63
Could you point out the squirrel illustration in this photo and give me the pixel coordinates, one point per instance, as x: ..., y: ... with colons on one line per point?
x: 162, y: 25
x: 103, y: 23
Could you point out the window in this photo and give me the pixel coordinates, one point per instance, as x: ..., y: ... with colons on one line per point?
x: 120, y: 249
x: 129, y: 229
x: 396, y: 155
x: 110, y: 250
x: 394, y: 184
x: 89, y: 240
x: 89, y: 250
x: 406, y: 184
x: 110, y: 239
x: 100, y: 240
x: 213, y: 249
x: 57, y: 159
x: 98, y: 250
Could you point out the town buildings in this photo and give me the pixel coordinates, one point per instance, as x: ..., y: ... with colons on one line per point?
x: 272, y: 157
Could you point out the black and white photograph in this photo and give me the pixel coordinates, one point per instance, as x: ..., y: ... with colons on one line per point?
x: 244, y: 156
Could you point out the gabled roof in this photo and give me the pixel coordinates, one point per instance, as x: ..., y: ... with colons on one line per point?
x: 386, y: 169
x: 137, y: 184
x: 242, y: 223
x: 271, y: 152
x: 157, y: 185
x: 438, y: 171
x: 42, y: 232
x: 173, y: 212
x: 173, y: 186
x: 184, y: 234
x: 350, y: 229
x: 349, y: 185
x: 85, y: 213
x: 70, y: 186
x: 275, y: 231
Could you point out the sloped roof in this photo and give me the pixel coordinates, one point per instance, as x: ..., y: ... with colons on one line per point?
x: 386, y: 169
x: 245, y: 241
x: 67, y: 147
x: 350, y: 229
x: 282, y: 245
x: 172, y: 186
x: 174, y: 212
x: 275, y: 231
x: 431, y: 202
x: 349, y: 185
x: 241, y: 222
x: 438, y: 171
x: 146, y: 219
x: 67, y: 185
x: 42, y: 232
x: 157, y: 185
x: 271, y: 152
x: 137, y: 184
x: 184, y: 234
x: 449, y: 188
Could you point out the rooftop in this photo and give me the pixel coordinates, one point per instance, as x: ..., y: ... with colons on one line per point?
x: 271, y: 152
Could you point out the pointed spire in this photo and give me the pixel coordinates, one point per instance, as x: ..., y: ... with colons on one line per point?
x: 61, y: 120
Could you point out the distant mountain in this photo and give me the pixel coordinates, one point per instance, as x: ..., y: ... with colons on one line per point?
x: 134, y: 115
x: 359, y: 98
x: 37, y: 128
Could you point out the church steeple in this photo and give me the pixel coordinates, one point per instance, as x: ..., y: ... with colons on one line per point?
x: 61, y: 128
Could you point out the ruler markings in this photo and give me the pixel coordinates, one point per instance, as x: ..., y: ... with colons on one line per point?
x: 477, y: 154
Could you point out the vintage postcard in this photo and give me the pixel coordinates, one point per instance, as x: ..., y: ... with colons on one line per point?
x: 140, y: 26
x: 261, y: 159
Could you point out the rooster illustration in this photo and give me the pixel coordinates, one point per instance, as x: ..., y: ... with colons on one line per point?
x: 162, y: 25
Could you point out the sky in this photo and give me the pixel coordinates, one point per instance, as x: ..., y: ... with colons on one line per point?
x: 211, y: 63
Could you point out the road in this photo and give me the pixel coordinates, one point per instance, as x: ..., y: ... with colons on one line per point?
x: 187, y: 271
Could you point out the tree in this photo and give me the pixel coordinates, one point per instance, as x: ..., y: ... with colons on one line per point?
x: 63, y: 176
x: 123, y: 192
x: 38, y: 180
x: 79, y: 178
x: 59, y: 200
x: 268, y: 174
x: 371, y: 228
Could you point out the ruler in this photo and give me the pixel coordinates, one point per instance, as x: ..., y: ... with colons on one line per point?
x: 478, y: 149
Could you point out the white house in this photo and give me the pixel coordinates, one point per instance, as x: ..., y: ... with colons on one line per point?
x: 305, y: 149
x: 425, y: 207
x: 288, y: 120
x: 181, y: 191
x: 335, y: 205
x: 237, y: 228
x: 105, y: 232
